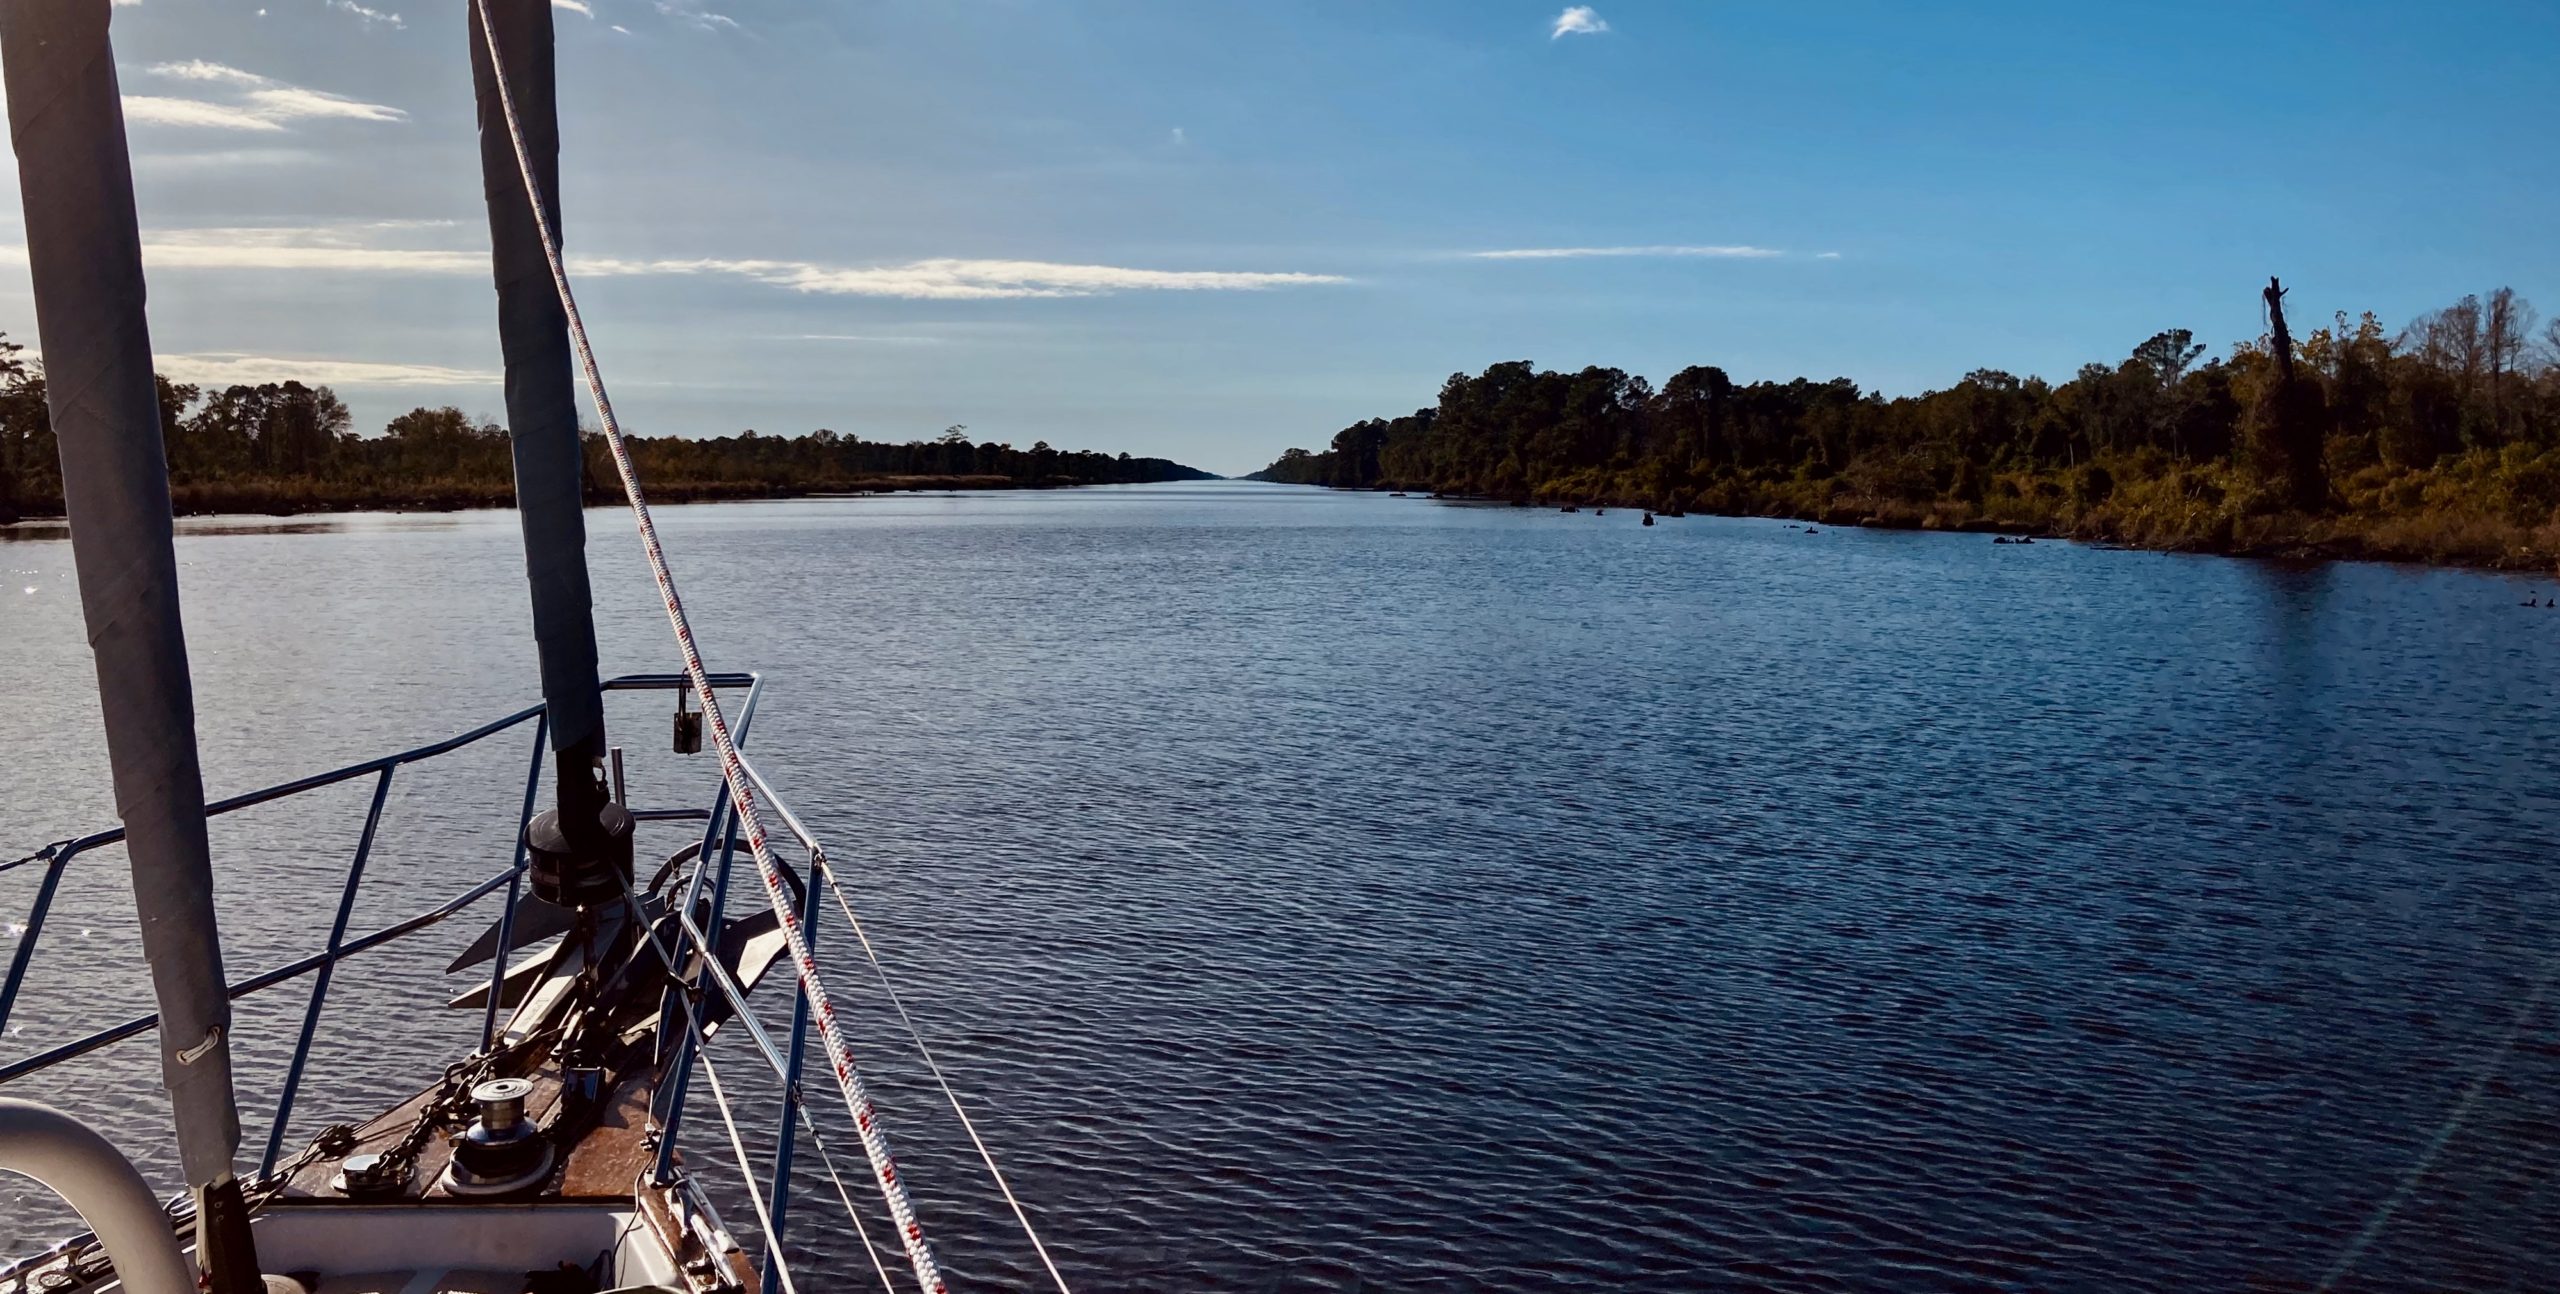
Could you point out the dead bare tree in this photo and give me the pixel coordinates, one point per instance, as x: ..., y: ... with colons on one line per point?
x: 2291, y: 426
x: 2506, y: 333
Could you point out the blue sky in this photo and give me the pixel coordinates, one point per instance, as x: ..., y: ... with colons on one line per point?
x: 1213, y: 230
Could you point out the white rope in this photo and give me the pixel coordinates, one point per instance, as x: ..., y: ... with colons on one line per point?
x: 746, y: 1168
x: 985, y: 1156
x: 866, y: 1121
x: 851, y: 1214
x: 781, y: 1072
x: 821, y: 869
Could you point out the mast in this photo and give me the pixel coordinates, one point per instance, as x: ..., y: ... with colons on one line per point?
x: 542, y: 423
x: 85, y: 252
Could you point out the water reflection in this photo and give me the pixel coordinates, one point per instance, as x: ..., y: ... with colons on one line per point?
x: 335, y: 523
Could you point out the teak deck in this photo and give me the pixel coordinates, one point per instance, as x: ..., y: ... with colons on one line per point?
x: 603, y: 1166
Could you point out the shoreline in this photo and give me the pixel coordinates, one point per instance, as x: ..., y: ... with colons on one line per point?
x: 2276, y: 537
x: 269, y: 499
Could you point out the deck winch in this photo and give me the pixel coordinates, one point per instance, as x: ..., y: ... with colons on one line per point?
x: 502, y: 1150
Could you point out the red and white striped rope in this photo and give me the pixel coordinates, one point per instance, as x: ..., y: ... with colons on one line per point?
x: 866, y: 1120
x: 821, y: 871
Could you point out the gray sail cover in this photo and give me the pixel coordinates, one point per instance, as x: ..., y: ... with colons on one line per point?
x: 86, y: 254
x: 542, y: 393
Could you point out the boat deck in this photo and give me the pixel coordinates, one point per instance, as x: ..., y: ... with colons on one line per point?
x: 602, y: 1166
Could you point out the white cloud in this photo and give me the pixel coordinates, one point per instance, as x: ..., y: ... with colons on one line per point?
x: 1577, y: 253
x: 187, y: 253
x: 197, y: 69
x: 222, y: 159
x: 359, y: 248
x: 620, y: 28
x: 194, y: 256
x: 580, y: 7
x: 692, y: 14
x: 371, y: 17
x: 285, y: 103
x: 1826, y: 256
x: 264, y: 103
x: 332, y: 247
x: 224, y: 368
x: 159, y: 111
x: 869, y: 339
x: 1579, y: 20
x: 1180, y: 138
x: 953, y: 279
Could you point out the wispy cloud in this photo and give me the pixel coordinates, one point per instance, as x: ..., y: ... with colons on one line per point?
x: 224, y: 368
x: 580, y: 7
x: 1826, y: 256
x: 263, y: 104
x: 692, y: 14
x: 953, y: 279
x: 867, y: 339
x: 197, y: 69
x: 199, y: 160
x: 365, y: 248
x: 340, y: 248
x: 1576, y: 253
x: 371, y: 17
x: 1579, y: 20
x: 158, y: 111
x: 287, y: 103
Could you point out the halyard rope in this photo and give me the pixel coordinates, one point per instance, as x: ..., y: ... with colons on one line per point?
x: 866, y: 1121
x: 781, y: 1072
x: 746, y: 1166
x: 821, y: 870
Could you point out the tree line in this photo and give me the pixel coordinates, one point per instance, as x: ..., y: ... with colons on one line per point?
x: 2440, y: 441
x: 289, y: 447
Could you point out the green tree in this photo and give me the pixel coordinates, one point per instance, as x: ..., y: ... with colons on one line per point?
x: 29, y: 465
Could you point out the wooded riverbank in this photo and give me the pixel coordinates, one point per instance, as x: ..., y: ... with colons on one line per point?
x: 2436, y: 540
x: 296, y: 497
x: 285, y: 448
x: 2438, y: 444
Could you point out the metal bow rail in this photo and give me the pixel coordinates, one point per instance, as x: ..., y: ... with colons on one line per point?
x: 719, y: 827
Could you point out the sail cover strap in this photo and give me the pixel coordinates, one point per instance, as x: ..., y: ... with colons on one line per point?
x: 742, y: 792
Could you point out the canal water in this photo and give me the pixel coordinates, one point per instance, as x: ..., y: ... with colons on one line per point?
x: 1318, y: 891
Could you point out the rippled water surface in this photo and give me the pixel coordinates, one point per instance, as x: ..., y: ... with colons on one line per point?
x: 1322, y: 891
